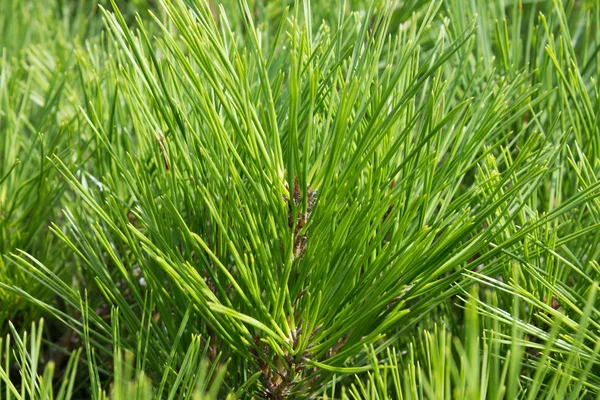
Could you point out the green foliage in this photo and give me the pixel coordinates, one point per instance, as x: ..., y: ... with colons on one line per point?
x: 129, y: 381
x: 498, y: 365
x: 291, y: 199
